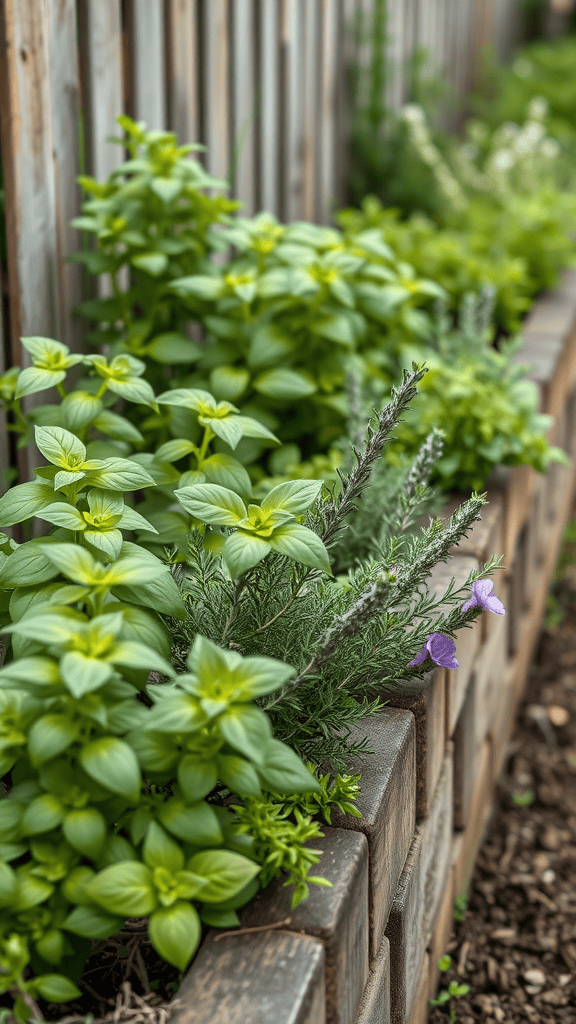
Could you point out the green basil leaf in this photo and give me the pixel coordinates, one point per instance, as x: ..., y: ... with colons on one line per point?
x: 50, y: 736
x: 137, y: 655
x: 212, y: 504
x: 34, y: 379
x: 32, y: 890
x: 253, y: 428
x: 247, y: 729
x: 60, y: 513
x: 172, y: 349
x: 153, y: 263
x: 242, y: 550
x: 92, y: 923
x: 82, y: 674
x: 56, y: 988
x: 113, y: 764
x: 155, y: 751
x: 229, y: 382
x: 74, y: 885
x: 28, y: 565
x: 301, y: 544
x: 159, y: 851
x: 162, y: 594
x: 135, y: 389
x: 51, y: 946
x: 269, y: 346
x: 219, y: 918
x: 174, y: 450
x: 109, y: 542
x: 294, y: 496
x: 117, y: 427
x: 8, y: 885
x: 196, y: 778
x: 226, y: 873
x: 197, y: 822
x: 227, y: 472
x: 175, y: 933
x: 85, y: 830
x: 60, y: 446
x: 23, y: 501
x: 132, y: 520
x: 125, y: 888
x: 283, y: 771
x: 197, y: 286
x: 282, y: 383
x: 238, y: 775
x: 78, y: 410
x: 228, y: 429
x: 42, y: 815
x: 121, y: 475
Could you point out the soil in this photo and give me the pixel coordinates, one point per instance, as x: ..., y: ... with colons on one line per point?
x: 516, y: 945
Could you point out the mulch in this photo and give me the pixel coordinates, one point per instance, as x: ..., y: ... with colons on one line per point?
x: 516, y: 946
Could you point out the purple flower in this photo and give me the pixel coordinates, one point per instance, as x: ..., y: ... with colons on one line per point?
x: 481, y: 598
x: 441, y: 649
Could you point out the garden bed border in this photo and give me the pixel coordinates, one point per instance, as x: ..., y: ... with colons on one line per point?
x: 366, y: 951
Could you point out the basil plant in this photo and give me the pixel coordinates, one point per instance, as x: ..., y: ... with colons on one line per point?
x: 109, y: 780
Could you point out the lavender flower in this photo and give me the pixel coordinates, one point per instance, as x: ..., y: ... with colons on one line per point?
x: 481, y: 598
x: 441, y: 649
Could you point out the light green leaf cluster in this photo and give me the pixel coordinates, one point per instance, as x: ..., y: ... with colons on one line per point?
x: 106, y: 815
x: 259, y: 529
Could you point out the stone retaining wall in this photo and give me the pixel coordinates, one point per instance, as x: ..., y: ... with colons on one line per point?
x: 366, y: 950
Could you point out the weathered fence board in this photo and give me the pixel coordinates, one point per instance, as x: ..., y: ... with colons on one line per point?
x: 182, y: 72
x: 243, y: 107
x: 215, y: 67
x: 148, y: 72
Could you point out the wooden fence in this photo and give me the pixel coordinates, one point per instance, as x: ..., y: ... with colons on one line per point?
x: 262, y: 83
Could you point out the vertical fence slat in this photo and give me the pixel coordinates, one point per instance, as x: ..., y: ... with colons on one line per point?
x: 215, y: 66
x: 29, y: 171
x: 243, y: 104
x: 182, y: 76
x: 395, y: 50
x: 25, y: 105
x: 148, y: 76
x: 409, y: 41
x: 104, y: 89
x: 327, y: 111
x: 291, y: 118
x: 65, y: 108
x: 268, y: 87
x: 310, y: 83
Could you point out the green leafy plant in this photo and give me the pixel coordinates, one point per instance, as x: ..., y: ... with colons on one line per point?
x: 461, y: 906
x: 106, y: 815
x: 487, y: 411
x: 453, y: 991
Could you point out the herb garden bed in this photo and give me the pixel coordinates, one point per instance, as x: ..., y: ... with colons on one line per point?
x: 366, y: 951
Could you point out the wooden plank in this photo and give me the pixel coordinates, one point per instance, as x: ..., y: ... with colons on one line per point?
x: 327, y: 111
x: 269, y: 91
x: 395, y: 52
x: 215, y: 67
x: 182, y: 71
x: 254, y: 979
x: 243, y: 106
x: 337, y: 916
x: 291, y: 109
x: 387, y: 805
x: 103, y: 84
x: 65, y: 107
x: 147, y: 64
x: 29, y: 172
x: 310, y: 94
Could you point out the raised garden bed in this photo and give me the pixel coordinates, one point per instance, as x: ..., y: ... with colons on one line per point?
x: 366, y: 951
